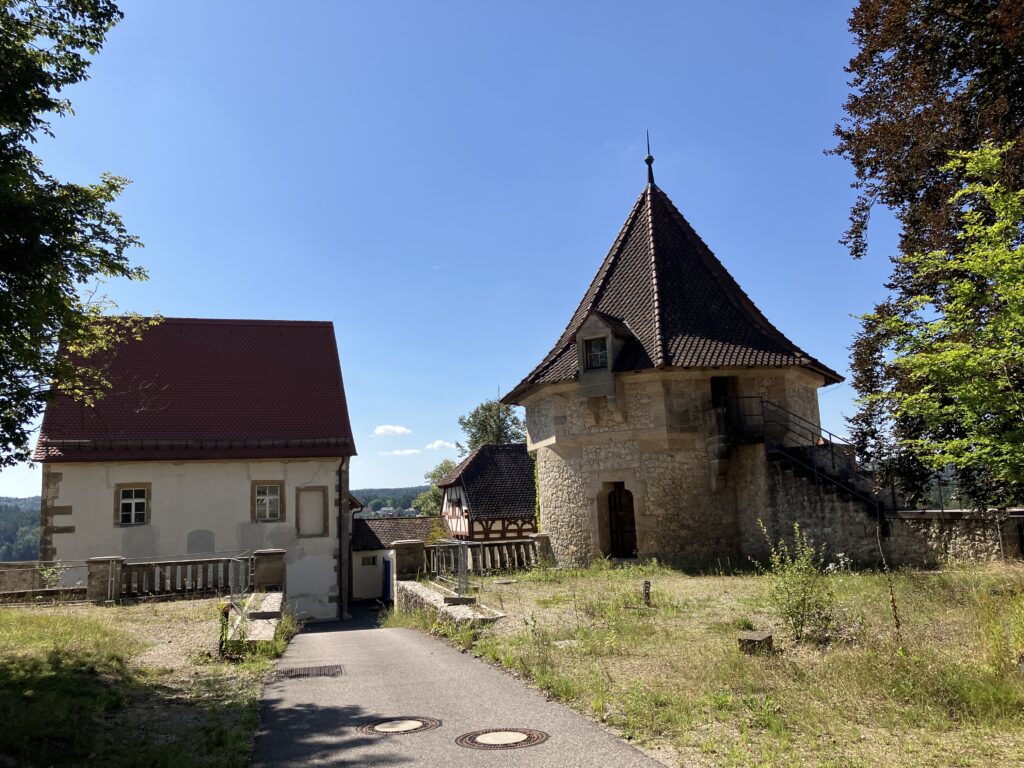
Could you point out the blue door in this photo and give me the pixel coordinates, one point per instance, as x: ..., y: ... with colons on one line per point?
x: 386, y: 586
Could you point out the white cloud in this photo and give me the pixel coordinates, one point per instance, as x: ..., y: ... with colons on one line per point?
x: 439, y: 444
x: 391, y: 429
x: 401, y: 452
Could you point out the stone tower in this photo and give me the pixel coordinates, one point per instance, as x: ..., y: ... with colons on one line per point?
x: 630, y: 414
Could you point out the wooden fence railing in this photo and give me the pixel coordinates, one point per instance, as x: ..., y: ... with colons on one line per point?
x: 490, y: 556
x: 218, y: 575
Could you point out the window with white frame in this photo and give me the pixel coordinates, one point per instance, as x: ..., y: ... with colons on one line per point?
x: 267, y: 501
x: 369, y: 560
x: 132, y: 505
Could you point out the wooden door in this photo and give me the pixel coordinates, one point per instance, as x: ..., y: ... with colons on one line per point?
x: 621, y: 522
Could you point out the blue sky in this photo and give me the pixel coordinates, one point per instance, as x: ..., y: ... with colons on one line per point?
x: 442, y: 180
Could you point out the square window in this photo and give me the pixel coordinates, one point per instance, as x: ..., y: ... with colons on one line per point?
x: 597, y: 353
x: 266, y: 499
x: 132, y: 505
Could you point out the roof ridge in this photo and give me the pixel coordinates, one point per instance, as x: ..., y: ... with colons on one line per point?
x: 239, y: 321
x: 659, y: 345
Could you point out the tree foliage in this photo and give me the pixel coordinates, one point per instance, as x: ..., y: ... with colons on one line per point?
x: 19, y: 528
x: 55, y: 237
x: 953, y: 364
x: 930, y: 77
x: 490, y: 422
x: 429, y: 502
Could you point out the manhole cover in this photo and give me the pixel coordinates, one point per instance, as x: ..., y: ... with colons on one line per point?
x: 502, y: 738
x: 326, y: 670
x: 398, y: 725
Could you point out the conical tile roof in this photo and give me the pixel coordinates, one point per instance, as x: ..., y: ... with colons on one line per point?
x: 680, y: 306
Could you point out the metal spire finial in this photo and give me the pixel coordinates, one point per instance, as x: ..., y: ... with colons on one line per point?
x: 649, y: 160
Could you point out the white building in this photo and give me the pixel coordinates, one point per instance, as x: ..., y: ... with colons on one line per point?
x: 217, y: 436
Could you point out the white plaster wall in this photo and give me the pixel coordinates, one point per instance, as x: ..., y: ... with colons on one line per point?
x: 367, y: 580
x: 211, y: 496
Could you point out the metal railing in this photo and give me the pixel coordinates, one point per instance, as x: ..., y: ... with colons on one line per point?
x: 830, y: 459
x: 451, y: 564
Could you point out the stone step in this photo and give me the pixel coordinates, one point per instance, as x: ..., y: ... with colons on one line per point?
x: 257, y: 623
x: 269, y: 607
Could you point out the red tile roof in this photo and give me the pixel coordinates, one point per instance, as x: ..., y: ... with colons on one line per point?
x: 663, y: 290
x: 211, y: 389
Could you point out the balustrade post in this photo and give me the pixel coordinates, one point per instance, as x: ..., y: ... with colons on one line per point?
x: 545, y: 554
x: 103, y: 580
x: 269, y: 570
x: 409, y: 559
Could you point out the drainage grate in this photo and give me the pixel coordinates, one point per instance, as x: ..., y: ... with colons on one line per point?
x: 502, y: 738
x: 396, y: 726
x: 326, y: 670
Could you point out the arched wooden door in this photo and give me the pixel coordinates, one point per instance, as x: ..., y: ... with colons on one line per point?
x: 621, y: 522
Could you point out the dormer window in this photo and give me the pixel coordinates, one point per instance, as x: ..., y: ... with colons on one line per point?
x: 597, y: 353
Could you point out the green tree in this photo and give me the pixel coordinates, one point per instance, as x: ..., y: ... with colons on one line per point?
x: 491, y: 422
x: 429, y: 502
x: 57, y: 240
x: 954, y: 354
x: 929, y: 78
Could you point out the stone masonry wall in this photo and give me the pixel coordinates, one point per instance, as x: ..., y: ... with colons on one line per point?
x: 695, y: 504
x: 679, y: 519
x: 564, y: 508
x: 766, y: 492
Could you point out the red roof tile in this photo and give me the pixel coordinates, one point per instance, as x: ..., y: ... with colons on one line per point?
x: 208, y: 389
x: 662, y: 289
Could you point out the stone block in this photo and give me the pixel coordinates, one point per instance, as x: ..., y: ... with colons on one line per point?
x: 545, y: 555
x: 269, y: 570
x: 408, y: 559
x: 755, y: 642
x: 103, y: 579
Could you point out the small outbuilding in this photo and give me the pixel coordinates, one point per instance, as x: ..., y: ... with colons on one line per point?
x: 373, y: 554
x: 492, y: 494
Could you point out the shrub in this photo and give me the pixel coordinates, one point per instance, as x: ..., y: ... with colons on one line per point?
x: 799, y: 592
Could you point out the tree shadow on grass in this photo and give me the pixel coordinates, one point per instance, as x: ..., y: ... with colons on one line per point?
x: 63, y: 708
x: 51, y: 708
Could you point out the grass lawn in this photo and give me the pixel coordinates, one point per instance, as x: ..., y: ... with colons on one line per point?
x: 671, y: 678
x: 137, y: 685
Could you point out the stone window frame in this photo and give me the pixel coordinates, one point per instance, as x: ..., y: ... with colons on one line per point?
x: 118, y: 487
x: 326, y: 530
x: 588, y: 354
x: 252, y: 502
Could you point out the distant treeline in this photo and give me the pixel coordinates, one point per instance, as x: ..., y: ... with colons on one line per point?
x: 400, y: 498
x: 19, y: 528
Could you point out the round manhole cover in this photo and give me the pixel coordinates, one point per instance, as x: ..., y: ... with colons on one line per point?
x: 502, y: 738
x: 397, y: 725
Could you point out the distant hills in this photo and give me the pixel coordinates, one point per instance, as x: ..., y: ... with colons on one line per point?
x: 19, y: 528
x: 400, y: 498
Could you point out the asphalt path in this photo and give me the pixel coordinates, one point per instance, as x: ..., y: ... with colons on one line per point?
x: 401, y: 673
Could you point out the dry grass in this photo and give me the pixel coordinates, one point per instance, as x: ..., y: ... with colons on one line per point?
x: 135, y: 685
x: 670, y: 677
